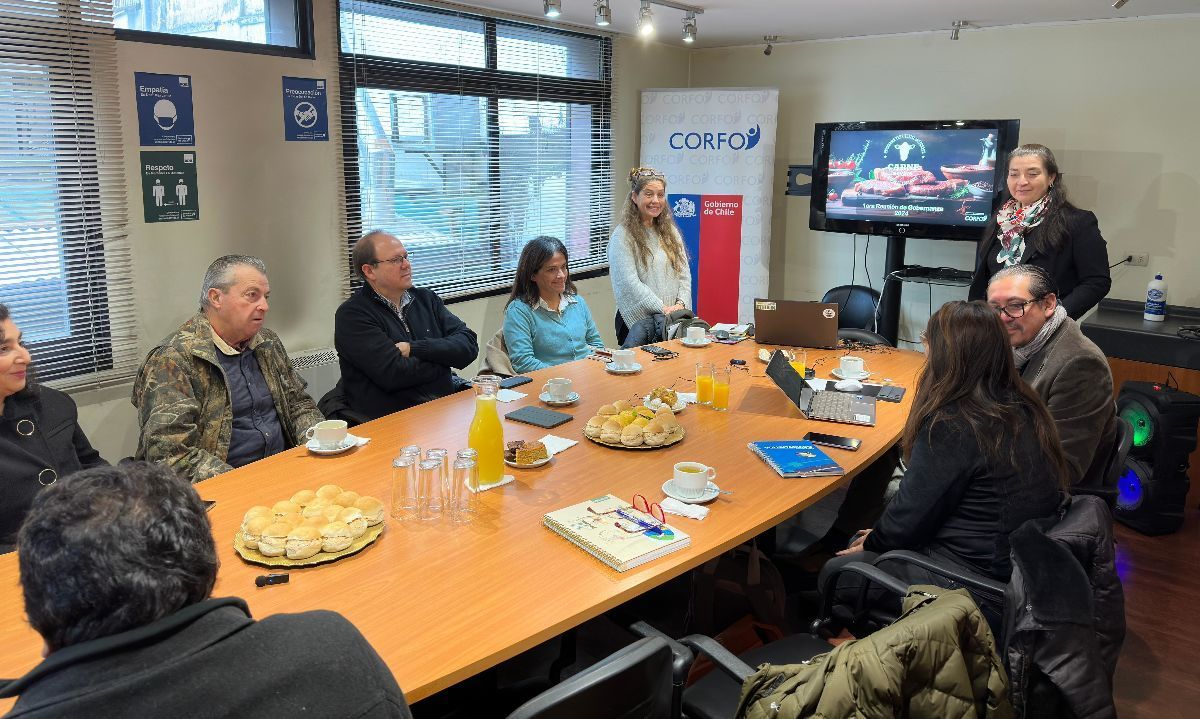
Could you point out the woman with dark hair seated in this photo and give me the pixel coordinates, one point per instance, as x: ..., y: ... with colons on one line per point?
x: 982, y: 453
x: 40, y: 438
x: 546, y: 322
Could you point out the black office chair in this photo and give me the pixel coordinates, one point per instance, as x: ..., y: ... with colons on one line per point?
x: 1108, y: 489
x: 856, y: 305
x: 642, y: 681
x: 334, y: 406
x: 861, y: 336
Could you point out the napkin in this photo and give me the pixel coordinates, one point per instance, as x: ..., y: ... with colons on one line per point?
x: 359, y: 441
x: 670, y: 505
x: 509, y: 395
x: 485, y: 487
x: 689, y: 397
x: 555, y: 444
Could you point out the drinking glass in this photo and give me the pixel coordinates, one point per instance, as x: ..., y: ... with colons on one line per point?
x: 704, y: 383
x: 429, y: 477
x: 406, y: 492
x: 720, y: 399
x: 411, y: 449
x: 799, y: 361
x: 461, y: 500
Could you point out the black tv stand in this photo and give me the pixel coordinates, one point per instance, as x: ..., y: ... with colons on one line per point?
x: 896, y: 273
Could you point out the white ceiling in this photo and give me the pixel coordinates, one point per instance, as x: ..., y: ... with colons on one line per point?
x: 745, y: 22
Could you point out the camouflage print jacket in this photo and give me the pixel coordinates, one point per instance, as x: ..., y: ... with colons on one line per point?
x: 184, y: 406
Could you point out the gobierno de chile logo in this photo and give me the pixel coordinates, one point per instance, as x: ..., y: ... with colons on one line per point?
x: 716, y: 140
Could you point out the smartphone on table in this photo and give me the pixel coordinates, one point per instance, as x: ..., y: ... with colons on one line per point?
x: 833, y: 440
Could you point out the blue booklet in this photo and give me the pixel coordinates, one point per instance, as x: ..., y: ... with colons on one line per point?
x: 796, y: 458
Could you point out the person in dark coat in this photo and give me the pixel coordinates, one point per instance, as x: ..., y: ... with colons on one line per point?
x: 40, y: 438
x: 982, y: 452
x: 397, y: 344
x: 117, y: 568
x: 1038, y: 225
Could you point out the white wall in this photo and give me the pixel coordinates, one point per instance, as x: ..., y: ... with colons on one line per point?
x: 279, y: 200
x: 1116, y: 101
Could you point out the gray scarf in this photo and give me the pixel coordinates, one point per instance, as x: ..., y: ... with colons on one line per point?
x: 1022, y: 354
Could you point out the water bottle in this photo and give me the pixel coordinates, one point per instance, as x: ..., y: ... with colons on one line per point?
x: 1156, y: 300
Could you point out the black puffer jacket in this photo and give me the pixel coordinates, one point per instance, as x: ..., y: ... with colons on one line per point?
x: 1065, y: 614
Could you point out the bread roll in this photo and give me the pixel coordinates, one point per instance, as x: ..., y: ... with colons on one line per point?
x: 253, y: 529
x: 316, y: 521
x: 354, y: 518
x: 372, y: 510
x: 622, y: 404
x: 318, y: 503
x: 314, y: 510
x: 285, y: 506
x: 303, y: 497
x: 273, y: 542
x: 329, y: 491
x: 667, y: 419
x: 654, y: 434
x: 645, y: 412
x: 336, y: 536
x: 257, y: 510
x: 346, y: 498
x: 332, y: 511
x: 631, y: 436
x: 592, y: 428
x: 303, y: 542
x: 606, y: 410
x: 611, y: 432
x: 294, y: 519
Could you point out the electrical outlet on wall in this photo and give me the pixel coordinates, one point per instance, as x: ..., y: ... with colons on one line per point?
x: 1139, y: 259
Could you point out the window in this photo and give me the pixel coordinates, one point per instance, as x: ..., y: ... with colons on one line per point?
x: 273, y: 26
x: 467, y: 136
x: 64, y: 261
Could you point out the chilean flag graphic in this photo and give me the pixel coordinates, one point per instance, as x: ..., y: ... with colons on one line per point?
x: 711, y: 226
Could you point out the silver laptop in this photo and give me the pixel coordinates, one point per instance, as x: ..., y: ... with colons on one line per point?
x: 795, y: 324
x: 825, y: 405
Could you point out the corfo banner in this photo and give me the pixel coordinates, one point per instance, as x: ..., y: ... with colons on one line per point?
x: 717, y: 148
x: 164, y: 106
x: 305, y: 115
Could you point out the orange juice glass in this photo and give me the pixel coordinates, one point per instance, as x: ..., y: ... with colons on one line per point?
x: 704, y: 383
x: 800, y: 361
x: 721, y: 377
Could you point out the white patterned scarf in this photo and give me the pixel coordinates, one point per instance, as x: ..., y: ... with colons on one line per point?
x: 1012, y: 223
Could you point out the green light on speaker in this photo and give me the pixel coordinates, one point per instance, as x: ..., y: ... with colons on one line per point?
x: 1143, y: 427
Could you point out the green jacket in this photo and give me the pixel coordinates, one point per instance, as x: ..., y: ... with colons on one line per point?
x: 938, y: 660
x: 184, y: 406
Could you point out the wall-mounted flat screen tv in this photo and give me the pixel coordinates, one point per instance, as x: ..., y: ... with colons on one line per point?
x: 939, y: 179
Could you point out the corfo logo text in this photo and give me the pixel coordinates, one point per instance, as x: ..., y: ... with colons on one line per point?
x: 716, y: 140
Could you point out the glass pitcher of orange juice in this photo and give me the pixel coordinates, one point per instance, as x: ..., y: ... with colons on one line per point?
x: 486, y: 436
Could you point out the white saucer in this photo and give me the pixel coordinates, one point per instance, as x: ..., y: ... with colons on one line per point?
x: 702, y: 343
x: 710, y: 493
x: 612, y: 368
x: 571, y: 399
x: 348, y: 443
x: 538, y: 463
x: 680, y: 404
x: 837, y: 372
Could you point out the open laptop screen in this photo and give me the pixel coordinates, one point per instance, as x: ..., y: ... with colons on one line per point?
x: 787, y: 379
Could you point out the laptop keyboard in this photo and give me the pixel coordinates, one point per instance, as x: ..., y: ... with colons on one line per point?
x: 835, y: 406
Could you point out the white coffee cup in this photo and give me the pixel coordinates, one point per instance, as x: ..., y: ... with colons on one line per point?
x: 330, y: 433
x: 852, y: 367
x: 691, y: 478
x: 695, y: 334
x: 623, y: 359
x: 558, y: 388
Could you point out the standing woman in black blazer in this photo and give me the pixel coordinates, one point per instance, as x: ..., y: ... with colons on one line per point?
x: 40, y: 438
x: 1037, y: 225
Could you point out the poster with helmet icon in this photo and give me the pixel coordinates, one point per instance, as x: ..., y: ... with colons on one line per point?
x: 164, y: 106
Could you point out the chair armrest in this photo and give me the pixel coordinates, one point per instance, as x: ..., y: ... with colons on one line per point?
x: 986, y: 586
x: 873, y: 575
x: 720, y: 656
x: 683, y: 657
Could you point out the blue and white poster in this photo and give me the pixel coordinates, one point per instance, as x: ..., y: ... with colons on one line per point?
x: 164, y: 105
x: 305, y: 115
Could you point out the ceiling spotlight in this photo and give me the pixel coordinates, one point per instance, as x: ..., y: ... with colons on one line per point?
x: 603, y: 13
x: 957, y: 25
x: 552, y: 8
x: 769, y: 39
x: 1119, y: 4
x: 645, y: 23
x: 689, y: 28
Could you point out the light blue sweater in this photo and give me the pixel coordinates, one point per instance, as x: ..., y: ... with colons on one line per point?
x: 537, y: 337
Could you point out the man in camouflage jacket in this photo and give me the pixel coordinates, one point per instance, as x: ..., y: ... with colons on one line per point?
x: 184, y: 398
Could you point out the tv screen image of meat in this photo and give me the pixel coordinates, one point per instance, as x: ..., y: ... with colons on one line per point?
x: 930, y: 176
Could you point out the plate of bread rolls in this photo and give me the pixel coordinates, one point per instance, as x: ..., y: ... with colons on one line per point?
x: 312, y: 527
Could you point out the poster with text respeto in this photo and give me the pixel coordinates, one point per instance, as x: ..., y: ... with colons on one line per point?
x: 164, y: 107
x: 305, y: 111
x: 169, y: 192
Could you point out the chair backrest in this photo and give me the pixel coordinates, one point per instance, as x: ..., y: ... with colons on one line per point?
x: 633, y: 683
x: 856, y: 305
x: 1106, y: 486
x: 866, y: 337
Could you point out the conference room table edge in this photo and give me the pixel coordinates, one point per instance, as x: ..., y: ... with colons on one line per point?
x: 751, y: 393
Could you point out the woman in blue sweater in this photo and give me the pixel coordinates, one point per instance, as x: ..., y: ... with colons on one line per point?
x: 546, y: 322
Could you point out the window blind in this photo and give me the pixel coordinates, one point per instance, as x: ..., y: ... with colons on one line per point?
x: 466, y: 136
x: 65, y: 266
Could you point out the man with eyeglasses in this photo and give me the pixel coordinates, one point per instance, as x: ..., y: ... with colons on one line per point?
x: 397, y: 344
x: 1067, y: 369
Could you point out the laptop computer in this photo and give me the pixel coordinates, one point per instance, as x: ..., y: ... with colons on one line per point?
x: 828, y: 406
x: 795, y: 324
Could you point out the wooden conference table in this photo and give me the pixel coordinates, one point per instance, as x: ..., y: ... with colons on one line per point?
x: 442, y: 602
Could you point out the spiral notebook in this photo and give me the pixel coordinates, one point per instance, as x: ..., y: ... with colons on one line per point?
x: 612, y: 531
x: 796, y: 458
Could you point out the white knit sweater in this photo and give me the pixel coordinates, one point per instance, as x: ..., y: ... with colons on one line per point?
x: 642, y: 292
